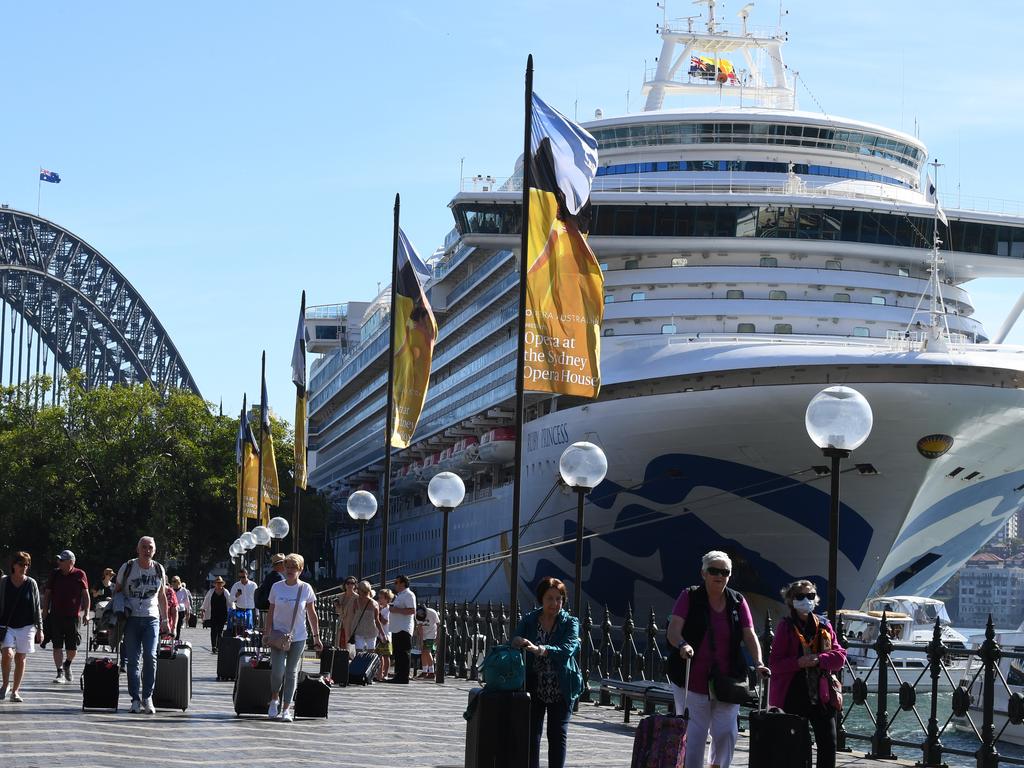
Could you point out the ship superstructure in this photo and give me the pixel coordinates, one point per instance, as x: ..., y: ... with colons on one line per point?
x: 753, y: 254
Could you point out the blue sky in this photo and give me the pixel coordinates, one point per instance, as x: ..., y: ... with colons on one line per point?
x: 225, y: 156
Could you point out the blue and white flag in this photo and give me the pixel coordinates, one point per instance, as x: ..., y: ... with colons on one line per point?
x: 573, y: 150
x: 51, y: 176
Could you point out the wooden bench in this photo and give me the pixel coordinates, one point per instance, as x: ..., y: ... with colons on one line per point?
x: 646, y: 692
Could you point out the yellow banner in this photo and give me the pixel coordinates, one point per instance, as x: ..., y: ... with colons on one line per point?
x: 564, y: 304
x: 248, y: 485
x: 415, y: 331
x: 271, y: 488
x: 300, y: 441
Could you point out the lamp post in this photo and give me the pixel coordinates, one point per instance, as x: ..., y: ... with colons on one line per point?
x: 262, y: 534
x: 278, y: 528
x: 582, y: 467
x: 362, y: 506
x: 445, y: 491
x: 838, y: 420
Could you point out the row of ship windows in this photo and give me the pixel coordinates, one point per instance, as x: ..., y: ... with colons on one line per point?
x: 766, y: 261
x: 747, y: 166
x: 836, y: 140
x: 767, y: 221
x: 670, y: 328
x: 738, y: 294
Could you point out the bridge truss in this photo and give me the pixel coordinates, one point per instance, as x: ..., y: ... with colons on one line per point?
x: 61, y: 296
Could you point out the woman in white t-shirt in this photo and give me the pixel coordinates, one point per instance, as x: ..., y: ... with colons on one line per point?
x: 284, y: 665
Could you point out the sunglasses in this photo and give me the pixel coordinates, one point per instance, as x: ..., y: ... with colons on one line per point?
x: 806, y: 596
x: 717, y: 571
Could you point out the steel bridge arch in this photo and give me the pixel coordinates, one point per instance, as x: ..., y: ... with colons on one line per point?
x: 82, y: 308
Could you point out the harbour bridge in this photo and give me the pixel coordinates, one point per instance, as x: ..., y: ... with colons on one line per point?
x: 63, y: 304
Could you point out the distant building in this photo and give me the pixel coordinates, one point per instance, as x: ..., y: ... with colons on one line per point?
x: 992, y: 585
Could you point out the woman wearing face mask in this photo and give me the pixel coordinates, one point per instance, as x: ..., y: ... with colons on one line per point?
x: 804, y: 652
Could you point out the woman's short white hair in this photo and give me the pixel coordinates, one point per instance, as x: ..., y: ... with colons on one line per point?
x: 713, y: 556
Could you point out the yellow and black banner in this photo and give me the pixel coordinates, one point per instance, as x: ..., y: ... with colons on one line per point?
x: 271, y: 488
x: 299, y: 379
x: 414, y: 335
x: 564, y: 283
x: 247, y: 471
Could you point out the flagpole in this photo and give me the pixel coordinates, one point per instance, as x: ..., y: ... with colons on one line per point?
x: 390, y: 418
x: 39, y: 191
x: 259, y: 485
x: 295, y: 475
x: 241, y: 479
x: 520, y: 347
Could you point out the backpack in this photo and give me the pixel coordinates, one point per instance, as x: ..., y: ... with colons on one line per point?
x: 503, y: 669
x: 262, y: 597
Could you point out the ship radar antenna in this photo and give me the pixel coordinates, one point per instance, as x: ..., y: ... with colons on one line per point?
x: 744, y: 13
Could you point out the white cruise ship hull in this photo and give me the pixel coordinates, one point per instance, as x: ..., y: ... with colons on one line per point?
x: 733, y: 469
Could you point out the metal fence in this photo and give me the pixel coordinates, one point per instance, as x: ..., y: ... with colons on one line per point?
x: 629, y: 652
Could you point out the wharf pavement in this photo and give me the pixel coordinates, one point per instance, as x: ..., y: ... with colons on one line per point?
x: 411, y: 726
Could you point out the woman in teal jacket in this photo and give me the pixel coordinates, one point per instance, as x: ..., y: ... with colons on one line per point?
x: 551, y: 637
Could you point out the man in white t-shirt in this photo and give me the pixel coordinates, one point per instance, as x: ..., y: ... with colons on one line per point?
x: 243, y: 592
x: 144, y: 583
x: 402, y: 623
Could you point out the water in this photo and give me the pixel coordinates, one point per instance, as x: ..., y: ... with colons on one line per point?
x: 905, y: 727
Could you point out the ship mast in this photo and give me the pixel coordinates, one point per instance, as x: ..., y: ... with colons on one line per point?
x: 937, y: 336
x: 693, y: 62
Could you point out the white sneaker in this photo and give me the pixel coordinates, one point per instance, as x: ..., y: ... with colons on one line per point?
x: 68, y: 677
x: 274, y: 711
x: 288, y: 715
x: 59, y: 677
x: 136, y: 707
x: 147, y: 706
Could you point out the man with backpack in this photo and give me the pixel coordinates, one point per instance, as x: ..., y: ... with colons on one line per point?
x: 276, y: 574
x: 143, y: 582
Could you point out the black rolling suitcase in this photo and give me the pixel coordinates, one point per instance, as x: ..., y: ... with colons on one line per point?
x: 100, y: 679
x: 779, y: 740
x: 498, y: 729
x: 334, y: 663
x: 228, y: 651
x: 173, y: 686
x: 252, y: 686
x: 363, y: 668
x: 312, y: 696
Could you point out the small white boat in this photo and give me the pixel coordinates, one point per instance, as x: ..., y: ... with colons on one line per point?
x: 464, y: 453
x: 498, y: 446
x: 430, y: 466
x: 1012, y: 670
x: 862, y: 627
x: 923, y: 611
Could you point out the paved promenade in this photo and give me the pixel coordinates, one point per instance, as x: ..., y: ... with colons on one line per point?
x: 381, y: 725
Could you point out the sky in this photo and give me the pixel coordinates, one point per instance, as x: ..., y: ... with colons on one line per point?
x: 226, y: 156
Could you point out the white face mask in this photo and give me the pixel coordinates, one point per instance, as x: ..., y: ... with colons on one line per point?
x: 804, y: 606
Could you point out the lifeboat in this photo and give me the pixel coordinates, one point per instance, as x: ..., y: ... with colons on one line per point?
x: 463, y: 454
x: 431, y: 466
x: 445, y: 462
x: 498, y: 446
x: 406, y: 478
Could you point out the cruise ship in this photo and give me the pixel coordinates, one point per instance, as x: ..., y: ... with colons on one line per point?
x: 753, y: 255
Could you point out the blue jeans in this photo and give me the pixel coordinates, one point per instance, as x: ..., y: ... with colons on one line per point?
x: 558, y: 715
x: 140, y: 638
x: 284, y: 668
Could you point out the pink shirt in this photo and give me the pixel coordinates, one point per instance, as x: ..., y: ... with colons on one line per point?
x: 700, y: 667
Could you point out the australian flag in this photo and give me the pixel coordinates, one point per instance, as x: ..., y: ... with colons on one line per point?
x: 51, y: 176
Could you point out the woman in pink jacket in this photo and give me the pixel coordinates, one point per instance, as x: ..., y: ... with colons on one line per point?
x: 805, y: 652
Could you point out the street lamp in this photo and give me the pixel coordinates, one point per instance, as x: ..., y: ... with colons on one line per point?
x: 262, y: 534
x: 278, y: 528
x: 838, y: 420
x: 582, y: 467
x: 247, y: 540
x: 362, y: 506
x: 445, y: 491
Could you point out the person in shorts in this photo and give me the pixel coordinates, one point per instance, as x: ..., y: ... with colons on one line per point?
x: 427, y: 622
x: 66, y: 602
x: 20, y: 613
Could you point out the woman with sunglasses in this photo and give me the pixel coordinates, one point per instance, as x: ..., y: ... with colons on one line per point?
x: 804, y: 654
x: 709, y: 624
x: 22, y: 618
